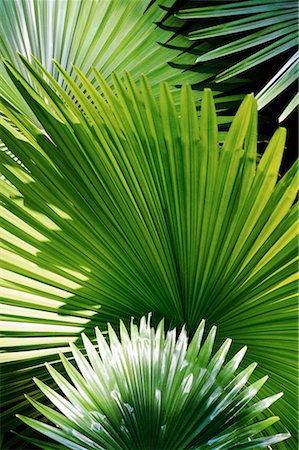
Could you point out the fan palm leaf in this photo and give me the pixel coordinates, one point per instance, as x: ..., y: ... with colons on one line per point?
x: 255, y: 33
x: 113, y: 35
x: 125, y: 206
x: 110, y: 35
x: 151, y: 391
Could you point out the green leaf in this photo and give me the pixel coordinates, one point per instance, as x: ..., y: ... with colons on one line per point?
x: 124, y: 205
x: 110, y: 36
x: 156, y: 416
x: 247, y: 35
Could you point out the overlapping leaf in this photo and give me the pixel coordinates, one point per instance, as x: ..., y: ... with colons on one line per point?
x: 151, y: 391
x: 254, y: 33
x: 109, y: 35
x: 124, y: 206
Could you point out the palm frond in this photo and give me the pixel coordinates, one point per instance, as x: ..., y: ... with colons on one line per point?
x: 151, y: 391
x: 254, y: 33
x: 140, y: 37
x: 125, y: 206
x: 110, y: 35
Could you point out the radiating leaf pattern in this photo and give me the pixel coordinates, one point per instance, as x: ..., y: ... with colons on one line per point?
x: 109, y: 35
x: 151, y: 391
x: 125, y: 206
x: 254, y: 32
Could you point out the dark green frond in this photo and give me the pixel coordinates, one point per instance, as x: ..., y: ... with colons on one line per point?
x: 247, y: 34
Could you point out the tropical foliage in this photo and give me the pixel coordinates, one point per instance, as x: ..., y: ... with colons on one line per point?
x: 120, y: 196
x: 148, y: 391
x: 110, y: 35
x: 122, y: 205
x: 138, y: 36
x: 254, y: 33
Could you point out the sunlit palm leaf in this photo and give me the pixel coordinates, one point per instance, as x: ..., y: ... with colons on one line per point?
x: 110, y: 35
x: 151, y: 391
x: 254, y: 32
x: 126, y: 206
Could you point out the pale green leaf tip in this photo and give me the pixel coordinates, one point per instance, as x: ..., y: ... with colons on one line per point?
x: 24, y: 60
x: 72, y: 346
x: 37, y: 61
x: 61, y: 356
x: 219, y: 78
